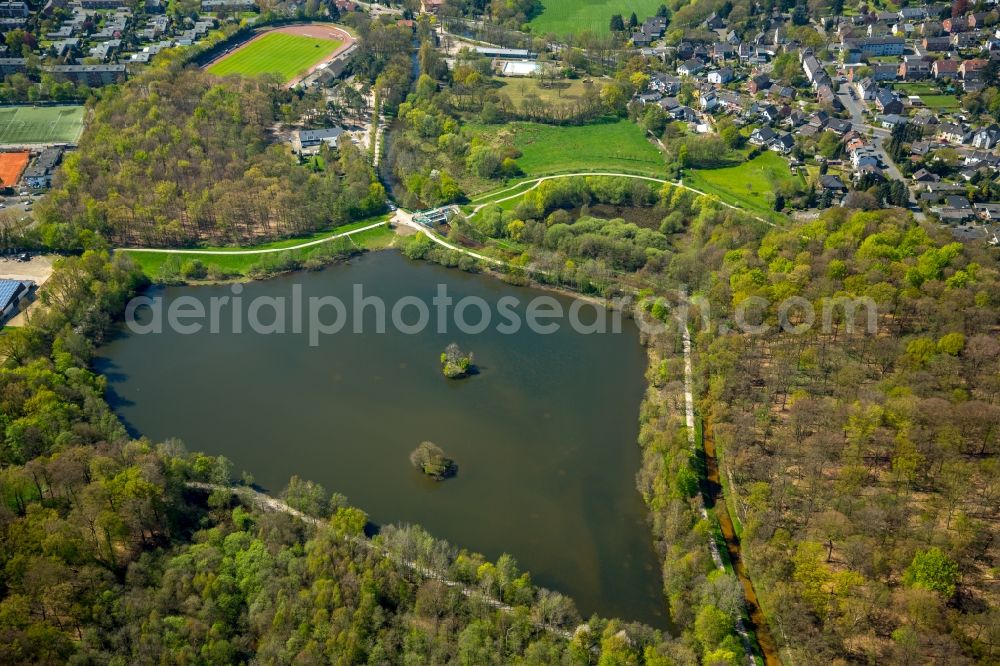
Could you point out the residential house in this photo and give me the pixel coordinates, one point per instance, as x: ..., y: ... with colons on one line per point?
x: 690, y: 67
x: 730, y: 101
x: 759, y: 83
x: 887, y: 102
x: 826, y: 97
x: 914, y: 67
x: 970, y: 68
x: 954, y: 24
x: 669, y: 104
x: 986, y: 137
x: 977, y: 20
x: 944, y: 69
x: 723, y: 51
x: 762, y: 136
x: 988, y: 211
x: 964, y: 40
x: 930, y: 28
x: 925, y: 176
x: 936, y: 43
x: 865, y: 156
x: 721, y: 76
x: 838, y: 126
x: 912, y: 13
x: 781, y: 93
x: 783, y: 143
x: 952, y: 133
x: 714, y: 22
x: 890, y: 120
x: 664, y: 83
x: 885, y: 72
x: 819, y: 120
x: 812, y: 68
x: 832, y: 183
x: 865, y: 89
x: 770, y: 113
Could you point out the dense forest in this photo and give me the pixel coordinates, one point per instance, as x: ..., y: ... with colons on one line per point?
x: 181, y: 157
x: 862, y: 465
x: 861, y: 468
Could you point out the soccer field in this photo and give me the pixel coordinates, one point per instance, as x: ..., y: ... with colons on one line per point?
x: 276, y: 52
x: 40, y: 124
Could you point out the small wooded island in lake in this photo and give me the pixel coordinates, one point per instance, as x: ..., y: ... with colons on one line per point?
x: 430, y: 459
x: 454, y: 363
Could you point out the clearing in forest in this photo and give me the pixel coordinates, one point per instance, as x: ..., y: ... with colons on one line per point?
x: 751, y: 185
x: 618, y: 145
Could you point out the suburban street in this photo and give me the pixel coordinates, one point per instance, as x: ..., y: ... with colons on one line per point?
x: 879, y: 135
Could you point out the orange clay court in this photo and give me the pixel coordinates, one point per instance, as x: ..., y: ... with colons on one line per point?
x: 12, y: 165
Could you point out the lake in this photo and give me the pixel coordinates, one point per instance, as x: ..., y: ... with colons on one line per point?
x: 544, y: 435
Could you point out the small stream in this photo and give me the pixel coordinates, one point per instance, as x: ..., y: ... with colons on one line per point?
x: 715, y: 499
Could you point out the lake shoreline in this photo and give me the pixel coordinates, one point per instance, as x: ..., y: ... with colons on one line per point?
x: 581, y: 485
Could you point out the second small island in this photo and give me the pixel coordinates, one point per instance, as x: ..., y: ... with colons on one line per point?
x: 455, y: 363
x: 430, y: 459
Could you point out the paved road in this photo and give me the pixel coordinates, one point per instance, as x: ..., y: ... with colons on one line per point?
x: 879, y: 136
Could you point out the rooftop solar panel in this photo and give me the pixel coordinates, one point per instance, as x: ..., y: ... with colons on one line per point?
x: 8, y: 290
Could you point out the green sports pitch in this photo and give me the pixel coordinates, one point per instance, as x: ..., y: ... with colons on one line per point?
x: 40, y: 124
x: 276, y: 52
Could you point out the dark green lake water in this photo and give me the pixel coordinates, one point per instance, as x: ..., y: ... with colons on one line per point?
x: 544, y: 437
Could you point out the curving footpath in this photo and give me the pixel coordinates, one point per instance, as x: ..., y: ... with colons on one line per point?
x: 267, y: 503
x: 678, y: 183
x: 266, y: 250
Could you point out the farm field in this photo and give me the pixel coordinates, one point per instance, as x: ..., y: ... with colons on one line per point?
x: 280, y: 53
x: 748, y: 185
x: 563, y: 17
x: 40, y: 124
x: 612, y: 146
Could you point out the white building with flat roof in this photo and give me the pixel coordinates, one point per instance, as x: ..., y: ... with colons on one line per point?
x: 521, y: 68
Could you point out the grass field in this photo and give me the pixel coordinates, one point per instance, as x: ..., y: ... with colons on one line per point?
x: 240, y: 264
x: 941, y: 101
x: 278, y: 53
x: 749, y: 185
x: 564, y: 91
x: 611, y: 146
x: 563, y: 17
x: 916, y: 88
x: 40, y: 124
